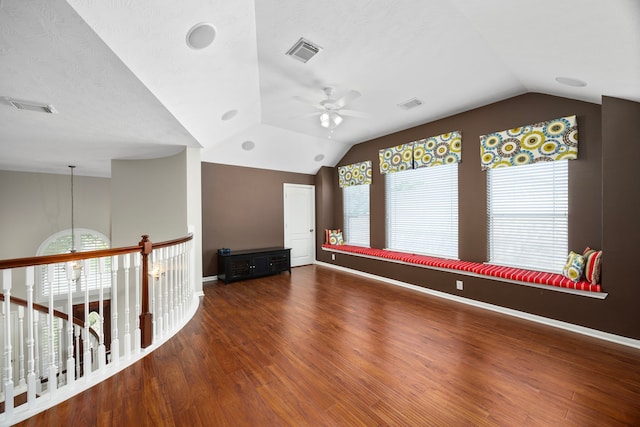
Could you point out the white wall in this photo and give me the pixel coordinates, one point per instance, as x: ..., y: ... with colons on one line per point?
x: 194, y: 210
x: 148, y: 197
x: 33, y: 206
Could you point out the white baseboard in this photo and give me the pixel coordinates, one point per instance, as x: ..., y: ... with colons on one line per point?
x: 209, y: 279
x: 630, y: 342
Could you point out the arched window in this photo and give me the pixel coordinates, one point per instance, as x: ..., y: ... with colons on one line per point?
x: 60, y: 243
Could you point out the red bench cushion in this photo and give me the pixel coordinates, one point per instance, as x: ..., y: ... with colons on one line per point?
x: 511, y: 273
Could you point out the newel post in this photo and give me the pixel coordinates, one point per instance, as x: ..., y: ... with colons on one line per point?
x: 146, y: 317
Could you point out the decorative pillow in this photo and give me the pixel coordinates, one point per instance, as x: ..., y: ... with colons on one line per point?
x: 327, y: 235
x: 335, y: 237
x: 593, y: 262
x: 574, y: 266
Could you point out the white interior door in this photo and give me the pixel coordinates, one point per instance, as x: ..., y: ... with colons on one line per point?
x: 299, y: 223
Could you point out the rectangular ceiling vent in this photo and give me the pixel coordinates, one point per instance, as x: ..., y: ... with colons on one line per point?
x: 32, y: 106
x: 303, y: 50
x: 412, y: 103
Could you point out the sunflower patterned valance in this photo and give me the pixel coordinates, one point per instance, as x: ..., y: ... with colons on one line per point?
x: 555, y: 139
x: 355, y: 174
x: 437, y: 150
x: 434, y: 151
x: 396, y: 159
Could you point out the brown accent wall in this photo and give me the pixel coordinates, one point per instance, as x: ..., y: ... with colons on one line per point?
x: 621, y: 211
x: 242, y: 208
x: 616, y: 123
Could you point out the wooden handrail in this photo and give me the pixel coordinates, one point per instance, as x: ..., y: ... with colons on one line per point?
x: 173, y: 242
x: 45, y: 309
x: 59, y: 258
x: 145, y: 247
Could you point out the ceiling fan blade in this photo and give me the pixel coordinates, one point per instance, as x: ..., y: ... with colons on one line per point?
x: 304, y: 116
x: 350, y: 96
x: 353, y: 113
x: 306, y: 101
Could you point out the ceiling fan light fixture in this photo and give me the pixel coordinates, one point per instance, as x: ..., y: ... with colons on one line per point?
x: 330, y: 120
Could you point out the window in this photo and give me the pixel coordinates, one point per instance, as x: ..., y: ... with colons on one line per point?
x: 422, y: 211
x: 528, y: 215
x: 59, y: 243
x: 356, y: 215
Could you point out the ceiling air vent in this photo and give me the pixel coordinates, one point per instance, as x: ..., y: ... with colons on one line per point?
x: 303, y: 50
x: 412, y: 103
x: 32, y: 106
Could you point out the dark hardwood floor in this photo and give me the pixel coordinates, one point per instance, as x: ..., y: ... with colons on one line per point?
x: 326, y: 348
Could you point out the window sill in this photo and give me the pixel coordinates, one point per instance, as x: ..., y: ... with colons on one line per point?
x: 418, y: 261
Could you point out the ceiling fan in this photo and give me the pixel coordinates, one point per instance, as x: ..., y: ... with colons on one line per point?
x: 331, y: 110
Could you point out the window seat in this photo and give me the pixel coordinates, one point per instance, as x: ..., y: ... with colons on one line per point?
x: 508, y: 273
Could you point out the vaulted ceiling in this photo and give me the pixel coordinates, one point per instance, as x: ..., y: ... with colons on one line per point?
x: 125, y: 84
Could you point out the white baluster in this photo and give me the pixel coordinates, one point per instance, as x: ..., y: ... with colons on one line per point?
x: 172, y: 284
x: 137, y: 334
x: 126, y: 258
x: 53, y: 369
x: 31, y: 322
x: 102, y: 350
x: 59, y: 339
x: 115, y: 342
x: 76, y: 330
x: 2, y: 353
x: 185, y: 280
x: 86, y: 358
x: 71, y: 363
x: 37, y: 348
x: 179, y: 284
x: 8, y: 374
x: 155, y: 277
x: 21, y: 381
x: 166, y: 274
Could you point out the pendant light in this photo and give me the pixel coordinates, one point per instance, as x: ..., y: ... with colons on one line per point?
x: 76, y: 265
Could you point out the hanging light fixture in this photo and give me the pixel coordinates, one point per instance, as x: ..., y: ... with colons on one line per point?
x: 330, y: 120
x: 76, y: 265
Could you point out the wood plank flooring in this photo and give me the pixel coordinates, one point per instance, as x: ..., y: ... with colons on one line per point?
x: 326, y: 348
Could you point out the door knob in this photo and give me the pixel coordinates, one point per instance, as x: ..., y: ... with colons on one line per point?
x: 311, y: 230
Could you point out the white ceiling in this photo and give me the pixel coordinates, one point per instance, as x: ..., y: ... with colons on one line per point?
x: 126, y: 85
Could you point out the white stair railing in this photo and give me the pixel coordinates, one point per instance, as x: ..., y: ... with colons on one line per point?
x: 48, y: 355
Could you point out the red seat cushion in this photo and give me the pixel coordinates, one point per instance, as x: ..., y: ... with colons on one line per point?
x: 511, y: 273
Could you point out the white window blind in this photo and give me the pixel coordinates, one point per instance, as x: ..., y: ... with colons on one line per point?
x: 422, y: 211
x: 528, y: 215
x: 60, y: 243
x: 356, y: 215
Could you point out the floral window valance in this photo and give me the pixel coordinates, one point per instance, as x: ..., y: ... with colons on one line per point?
x: 396, y: 159
x: 355, y: 174
x: 433, y: 151
x: 437, y: 150
x: 555, y: 139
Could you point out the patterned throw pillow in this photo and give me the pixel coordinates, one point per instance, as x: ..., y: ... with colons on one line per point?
x: 574, y: 266
x: 327, y: 235
x: 335, y: 237
x: 593, y: 262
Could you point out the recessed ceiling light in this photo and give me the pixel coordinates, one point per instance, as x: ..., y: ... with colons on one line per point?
x: 229, y: 115
x: 248, y: 145
x: 569, y: 81
x: 201, y: 35
x: 319, y: 157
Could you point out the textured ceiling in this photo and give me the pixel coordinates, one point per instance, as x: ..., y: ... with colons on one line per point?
x: 126, y: 85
